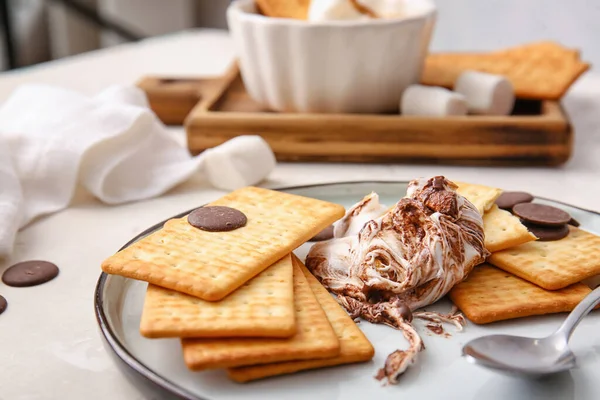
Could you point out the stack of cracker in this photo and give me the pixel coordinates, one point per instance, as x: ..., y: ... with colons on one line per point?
x: 238, y: 298
x: 523, y: 276
x: 538, y: 71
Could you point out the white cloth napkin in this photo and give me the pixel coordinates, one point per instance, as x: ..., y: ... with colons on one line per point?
x: 51, y: 139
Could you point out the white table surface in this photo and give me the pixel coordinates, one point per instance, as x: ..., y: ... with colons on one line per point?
x: 50, y: 346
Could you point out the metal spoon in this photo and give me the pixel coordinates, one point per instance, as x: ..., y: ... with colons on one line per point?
x: 524, y: 356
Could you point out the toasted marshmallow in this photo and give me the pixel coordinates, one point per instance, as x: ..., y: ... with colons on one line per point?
x: 356, y: 217
x: 415, y: 252
x: 241, y: 161
x: 432, y: 101
x: 404, y: 259
x: 486, y: 94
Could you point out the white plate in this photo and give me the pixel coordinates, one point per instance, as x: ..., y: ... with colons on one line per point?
x: 441, y: 372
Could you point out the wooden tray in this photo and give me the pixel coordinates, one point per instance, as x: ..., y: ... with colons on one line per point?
x: 215, y: 110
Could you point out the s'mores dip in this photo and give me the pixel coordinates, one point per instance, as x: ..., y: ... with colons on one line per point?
x: 317, y: 52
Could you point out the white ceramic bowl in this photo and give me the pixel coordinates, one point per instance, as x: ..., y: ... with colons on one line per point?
x: 333, y: 66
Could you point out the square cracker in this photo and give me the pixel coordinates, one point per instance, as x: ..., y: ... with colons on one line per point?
x: 536, y: 71
x: 354, y: 345
x: 503, y: 230
x: 211, y: 265
x: 543, y: 49
x: 553, y: 265
x: 314, y: 338
x: 482, y: 197
x: 490, y: 294
x: 264, y: 306
x: 297, y: 9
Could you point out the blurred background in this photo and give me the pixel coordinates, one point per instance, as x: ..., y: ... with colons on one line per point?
x: 35, y: 31
x: 43, y: 30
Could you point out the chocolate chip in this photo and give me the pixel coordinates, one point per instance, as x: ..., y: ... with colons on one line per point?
x: 541, y: 214
x: 3, y: 304
x: 438, y: 183
x: 325, y: 234
x: 574, y: 222
x: 405, y: 313
x: 30, y: 273
x: 508, y: 200
x: 547, y: 233
x: 435, y: 328
x: 217, y: 218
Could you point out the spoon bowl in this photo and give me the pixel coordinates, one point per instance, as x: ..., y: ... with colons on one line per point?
x: 531, y: 357
x: 518, y: 355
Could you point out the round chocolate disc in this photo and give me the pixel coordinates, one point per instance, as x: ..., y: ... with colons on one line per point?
x: 30, y: 273
x: 325, y: 234
x: 541, y: 214
x: 508, y: 200
x: 217, y: 218
x: 574, y: 222
x: 548, y: 233
x: 3, y: 304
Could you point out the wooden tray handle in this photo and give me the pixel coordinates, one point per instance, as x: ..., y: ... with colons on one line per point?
x: 172, y: 98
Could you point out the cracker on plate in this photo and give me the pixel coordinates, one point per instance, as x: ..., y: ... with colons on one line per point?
x: 263, y: 306
x: 503, y: 230
x: 354, y: 345
x: 490, y: 294
x: 555, y: 264
x: 314, y: 338
x: 482, y: 197
x: 211, y: 265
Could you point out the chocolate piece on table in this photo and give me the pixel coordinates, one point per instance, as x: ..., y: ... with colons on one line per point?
x: 3, y: 304
x: 541, y: 214
x: 325, y: 234
x: 30, y: 273
x: 508, y: 200
x: 547, y: 233
x: 217, y: 218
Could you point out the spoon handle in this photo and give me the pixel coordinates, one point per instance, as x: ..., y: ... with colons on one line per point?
x: 583, y: 308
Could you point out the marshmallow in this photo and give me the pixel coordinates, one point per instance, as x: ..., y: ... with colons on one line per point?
x: 241, y: 161
x: 432, y: 101
x: 486, y: 94
x: 330, y: 10
x: 391, y: 8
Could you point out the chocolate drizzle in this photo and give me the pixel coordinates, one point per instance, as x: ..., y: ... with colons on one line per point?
x: 435, y: 328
